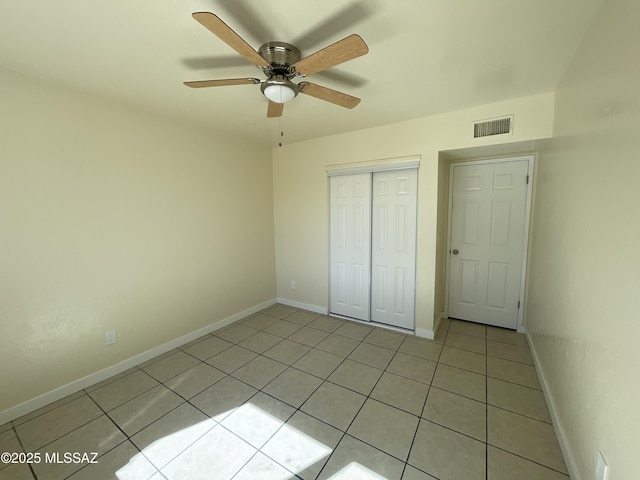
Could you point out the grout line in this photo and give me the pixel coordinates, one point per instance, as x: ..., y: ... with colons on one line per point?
x: 530, y: 460
x: 132, y: 398
x: 515, y: 383
x: 520, y: 414
x: 15, y: 432
x: 15, y: 423
x: 486, y: 410
x: 420, y: 420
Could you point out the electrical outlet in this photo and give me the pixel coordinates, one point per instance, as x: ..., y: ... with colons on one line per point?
x: 602, y: 469
x: 293, y: 284
x: 110, y: 337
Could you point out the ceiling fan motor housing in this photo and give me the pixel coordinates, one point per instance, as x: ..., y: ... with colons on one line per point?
x: 281, y: 56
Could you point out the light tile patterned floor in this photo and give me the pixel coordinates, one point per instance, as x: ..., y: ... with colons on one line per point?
x: 289, y: 394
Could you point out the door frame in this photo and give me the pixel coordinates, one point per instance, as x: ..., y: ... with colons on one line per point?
x: 530, y: 158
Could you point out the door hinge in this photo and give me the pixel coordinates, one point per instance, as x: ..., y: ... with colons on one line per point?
x: 518, y: 304
x: 527, y: 179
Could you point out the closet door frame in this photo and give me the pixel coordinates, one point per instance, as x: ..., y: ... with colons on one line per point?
x: 370, y: 167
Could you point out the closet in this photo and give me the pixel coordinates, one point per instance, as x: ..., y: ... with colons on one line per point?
x: 373, y: 244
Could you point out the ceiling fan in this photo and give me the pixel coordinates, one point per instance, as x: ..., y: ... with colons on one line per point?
x: 281, y: 62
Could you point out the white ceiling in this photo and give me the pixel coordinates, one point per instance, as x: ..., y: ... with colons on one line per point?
x: 426, y: 56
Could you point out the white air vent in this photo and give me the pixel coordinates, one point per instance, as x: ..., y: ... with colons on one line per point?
x: 494, y: 126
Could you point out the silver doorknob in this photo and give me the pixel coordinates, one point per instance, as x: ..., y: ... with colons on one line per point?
x: 455, y: 252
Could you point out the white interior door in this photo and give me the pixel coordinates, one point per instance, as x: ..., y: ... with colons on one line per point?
x: 487, y: 241
x: 393, y: 247
x: 350, y: 203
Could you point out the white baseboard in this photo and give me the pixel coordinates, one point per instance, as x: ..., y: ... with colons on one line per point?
x: 438, y: 321
x: 84, y: 382
x: 303, y: 306
x: 557, y: 425
x: 424, y: 333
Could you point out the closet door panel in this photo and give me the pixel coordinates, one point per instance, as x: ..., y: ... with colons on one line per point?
x: 350, y: 205
x: 393, y: 247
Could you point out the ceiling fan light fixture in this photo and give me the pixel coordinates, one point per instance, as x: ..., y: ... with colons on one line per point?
x: 279, y: 93
x: 279, y: 89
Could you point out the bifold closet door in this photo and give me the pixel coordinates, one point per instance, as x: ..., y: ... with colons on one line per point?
x: 350, y: 205
x: 373, y: 246
x: 393, y: 250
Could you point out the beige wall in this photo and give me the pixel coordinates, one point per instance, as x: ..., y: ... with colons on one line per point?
x: 112, y: 218
x: 301, y: 202
x: 442, y: 235
x: 582, y: 310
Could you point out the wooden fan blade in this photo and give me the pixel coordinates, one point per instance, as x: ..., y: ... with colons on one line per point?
x: 216, y: 26
x: 346, y: 49
x: 274, y: 109
x: 251, y: 20
x: 328, y: 95
x: 222, y: 83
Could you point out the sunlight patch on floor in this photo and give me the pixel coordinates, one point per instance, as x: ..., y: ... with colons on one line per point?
x: 356, y: 471
x: 222, y: 449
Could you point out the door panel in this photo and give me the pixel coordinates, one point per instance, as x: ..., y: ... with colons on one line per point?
x: 487, y: 231
x: 350, y: 245
x: 394, y: 247
x: 500, y: 223
x: 471, y: 222
x: 497, y: 285
x: 469, y: 280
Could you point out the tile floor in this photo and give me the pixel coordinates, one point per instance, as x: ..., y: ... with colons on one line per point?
x: 289, y: 394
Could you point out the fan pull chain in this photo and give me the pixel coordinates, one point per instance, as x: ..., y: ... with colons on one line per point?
x: 281, y: 131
